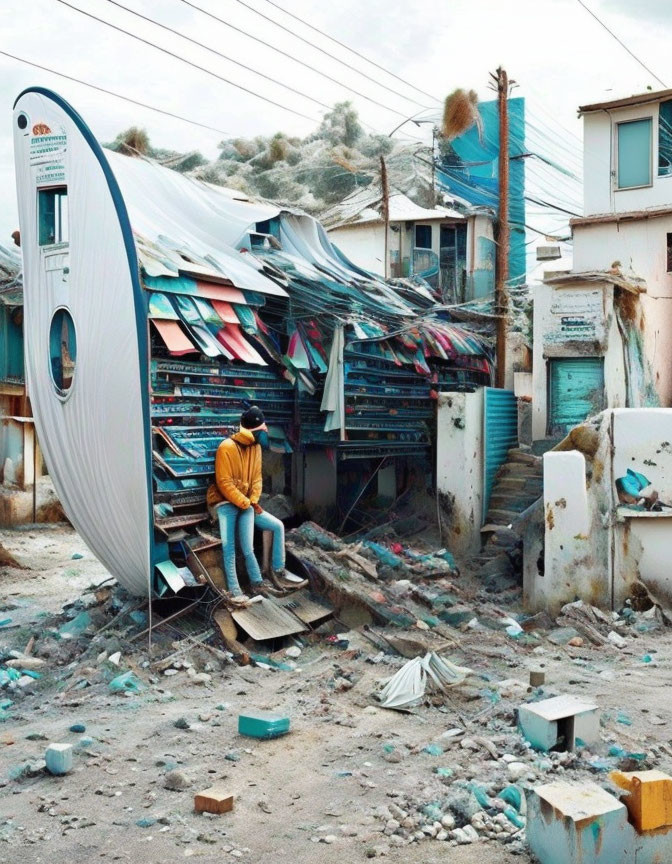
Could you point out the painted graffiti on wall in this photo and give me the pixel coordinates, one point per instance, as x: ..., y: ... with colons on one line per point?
x: 576, y: 316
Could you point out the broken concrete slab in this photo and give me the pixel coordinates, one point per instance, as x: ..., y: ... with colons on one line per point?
x: 58, y: 758
x: 563, y: 721
x: 569, y: 824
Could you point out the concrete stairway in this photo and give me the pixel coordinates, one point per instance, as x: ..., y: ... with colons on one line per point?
x: 518, y: 485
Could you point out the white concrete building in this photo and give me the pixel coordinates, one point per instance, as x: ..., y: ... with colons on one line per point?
x: 453, y: 250
x: 603, y: 334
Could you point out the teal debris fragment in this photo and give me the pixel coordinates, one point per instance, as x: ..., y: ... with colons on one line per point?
x: 433, y: 750
x: 78, y: 727
x: 76, y: 627
x: 512, y: 795
x: 127, y: 682
x: 263, y: 724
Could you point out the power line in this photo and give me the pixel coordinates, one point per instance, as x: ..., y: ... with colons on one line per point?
x: 116, y: 95
x: 292, y: 56
x: 332, y: 56
x: 356, y: 53
x: 622, y: 44
x: 219, y: 54
x: 188, y: 62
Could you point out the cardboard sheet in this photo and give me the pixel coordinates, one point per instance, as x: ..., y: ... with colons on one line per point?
x: 306, y: 609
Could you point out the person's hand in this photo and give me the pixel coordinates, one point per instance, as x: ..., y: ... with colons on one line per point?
x: 258, y: 509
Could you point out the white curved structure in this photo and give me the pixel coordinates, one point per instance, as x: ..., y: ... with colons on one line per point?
x: 96, y: 434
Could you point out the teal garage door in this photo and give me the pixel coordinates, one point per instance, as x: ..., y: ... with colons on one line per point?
x: 576, y: 390
x: 500, y: 434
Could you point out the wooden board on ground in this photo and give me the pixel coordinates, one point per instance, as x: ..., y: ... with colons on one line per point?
x: 305, y: 607
x: 267, y: 620
x: 227, y: 628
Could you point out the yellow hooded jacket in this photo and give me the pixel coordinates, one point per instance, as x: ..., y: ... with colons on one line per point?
x: 237, y: 471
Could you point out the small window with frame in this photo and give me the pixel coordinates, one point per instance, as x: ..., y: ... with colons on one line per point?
x: 633, y: 153
x: 52, y: 214
x: 423, y: 236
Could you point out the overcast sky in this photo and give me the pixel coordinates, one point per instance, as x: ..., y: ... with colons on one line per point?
x: 556, y: 52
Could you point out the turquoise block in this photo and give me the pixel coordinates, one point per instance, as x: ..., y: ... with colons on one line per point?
x: 59, y: 758
x: 263, y: 724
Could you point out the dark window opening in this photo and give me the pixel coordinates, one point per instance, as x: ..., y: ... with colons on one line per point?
x: 52, y: 211
x: 669, y: 253
x: 423, y: 236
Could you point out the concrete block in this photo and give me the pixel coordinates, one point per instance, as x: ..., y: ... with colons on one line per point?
x: 559, y: 722
x: 572, y: 824
x: 216, y: 799
x: 263, y: 724
x: 649, y: 801
x: 59, y: 758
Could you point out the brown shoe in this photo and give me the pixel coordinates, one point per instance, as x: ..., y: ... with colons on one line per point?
x: 265, y: 589
x: 287, y: 581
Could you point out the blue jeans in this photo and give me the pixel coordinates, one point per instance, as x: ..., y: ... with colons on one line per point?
x: 230, y: 517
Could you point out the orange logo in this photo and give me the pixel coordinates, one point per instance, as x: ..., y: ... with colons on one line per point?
x: 41, y: 129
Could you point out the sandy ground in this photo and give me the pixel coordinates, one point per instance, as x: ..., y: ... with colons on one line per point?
x: 329, y: 777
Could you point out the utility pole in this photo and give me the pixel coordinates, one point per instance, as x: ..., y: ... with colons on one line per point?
x: 385, y: 189
x: 502, y: 257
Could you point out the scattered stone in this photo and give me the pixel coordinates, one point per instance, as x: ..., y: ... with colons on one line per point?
x: 293, y: 651
x: 182, y: 723
x: 616, y: 639
x: 517, y: 770
x: 78, y: 727
x: 176, y: 781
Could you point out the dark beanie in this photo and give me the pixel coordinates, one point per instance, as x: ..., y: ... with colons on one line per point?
x: 252, y: 418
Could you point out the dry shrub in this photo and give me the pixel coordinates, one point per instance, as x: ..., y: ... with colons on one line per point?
x: 460, y: 113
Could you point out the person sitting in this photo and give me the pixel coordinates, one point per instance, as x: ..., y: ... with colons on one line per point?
x: 234, y: 498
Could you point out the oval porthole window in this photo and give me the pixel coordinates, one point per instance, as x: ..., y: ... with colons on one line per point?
x: 62, y: 351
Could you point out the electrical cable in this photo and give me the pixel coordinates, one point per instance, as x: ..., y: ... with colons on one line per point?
x: 184, y: 60
x: 219, y: 54
x: 292, y: 56
x: 621, y: 43
x: 112, y: 93
x: 331, y: 56
x: 355, y: 52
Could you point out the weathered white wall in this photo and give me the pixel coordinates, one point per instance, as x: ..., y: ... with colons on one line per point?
x: 599, y: 154
x: 643, y: 442
x: 364, y: 245
x: 568, y: 566
x: 459, y: 454
x: 641, y: 247
x: 595, y: 549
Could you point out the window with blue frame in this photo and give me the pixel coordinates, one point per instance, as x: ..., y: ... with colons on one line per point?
x: 665, y: 138
x: 634, y: 153
x: 52, y: 213
x: 62, y: 350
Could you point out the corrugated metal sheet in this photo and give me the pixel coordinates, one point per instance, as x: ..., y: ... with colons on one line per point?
x: 576, y: 391
x: 500, y: 434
